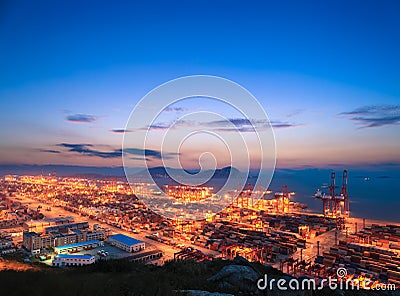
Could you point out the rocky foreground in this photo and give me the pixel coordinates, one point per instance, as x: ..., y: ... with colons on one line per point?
x: 112, y: 277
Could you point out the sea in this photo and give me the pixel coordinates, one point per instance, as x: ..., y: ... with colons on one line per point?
x: 373, y: 193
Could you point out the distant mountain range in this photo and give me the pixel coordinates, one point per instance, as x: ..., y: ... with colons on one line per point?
x: 93, y: 171
x: 175, y: 176
x: 61, y: 170
x: 161, y: 172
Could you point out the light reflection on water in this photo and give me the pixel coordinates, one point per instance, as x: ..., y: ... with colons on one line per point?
x: 375, y: 198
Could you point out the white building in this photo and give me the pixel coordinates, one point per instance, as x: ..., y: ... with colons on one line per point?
x: 61, y: 260
x: 78, y: 246
x: 126, y: 243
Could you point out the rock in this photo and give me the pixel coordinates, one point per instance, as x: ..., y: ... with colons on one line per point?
x: 239, y: 277
x: 239, y: 260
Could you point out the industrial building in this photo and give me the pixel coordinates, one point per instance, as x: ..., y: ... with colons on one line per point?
x: 61, y: 260
x: 126, y: 243
x: 78, y: 246
x: 41, y: 225
x: 146, y: 256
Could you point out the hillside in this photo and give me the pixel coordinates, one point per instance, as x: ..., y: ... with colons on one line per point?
x: 113, y: 277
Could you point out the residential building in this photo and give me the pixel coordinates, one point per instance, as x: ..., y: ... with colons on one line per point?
x: 60, y: 235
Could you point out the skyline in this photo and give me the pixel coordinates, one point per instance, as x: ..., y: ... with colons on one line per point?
x: 325, y: 74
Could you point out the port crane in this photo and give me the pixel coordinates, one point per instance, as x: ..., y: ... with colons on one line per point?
x: 335, y: 205
x: 283, y: 200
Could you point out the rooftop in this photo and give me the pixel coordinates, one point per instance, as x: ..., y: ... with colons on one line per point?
x: 68, y: 256
x: 81, y: 244
x: 127, y: 240
x: 141, y: 255
x: 31, y: 234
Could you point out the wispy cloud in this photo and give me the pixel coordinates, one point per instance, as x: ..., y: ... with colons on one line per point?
x: 139, y: 158
x: 49, y: 151
x: 88, y: 150
x: 150, y: 153
x: 174, y: 109
x: 249, y: 125
x: 81, y: 118
x: 160, y: 126
x: 172, y: 125
x: 283, y: 124
x: 239, y: 124
x: 120, y: 131
x: 145, y: 152
x: 295, y: 113
x: 374, y: 115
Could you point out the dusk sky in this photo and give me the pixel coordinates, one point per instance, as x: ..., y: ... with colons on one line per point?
x: 326, y: 72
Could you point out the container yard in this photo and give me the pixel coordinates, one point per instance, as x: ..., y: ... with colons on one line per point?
x: 372, y: 252
x: 188, y: 193
x: 274, y: 230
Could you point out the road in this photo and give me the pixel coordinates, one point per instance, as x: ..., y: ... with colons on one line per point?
x: 326, y: 240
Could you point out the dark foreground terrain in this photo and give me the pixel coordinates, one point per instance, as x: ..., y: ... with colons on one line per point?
x: 237, y: 277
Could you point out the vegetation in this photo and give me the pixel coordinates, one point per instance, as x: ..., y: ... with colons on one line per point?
x: 113, y: 277
x: 119, y: 277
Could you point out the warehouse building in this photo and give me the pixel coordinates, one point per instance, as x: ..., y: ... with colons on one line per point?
x: 40, y: 226
x: 126, y: 243
x: 146, y: 256
x: 78, y: 246
x: 61, y: 260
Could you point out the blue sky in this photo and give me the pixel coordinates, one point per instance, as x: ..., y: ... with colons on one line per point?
x: 71, y: 72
